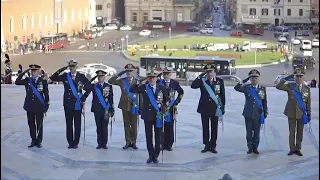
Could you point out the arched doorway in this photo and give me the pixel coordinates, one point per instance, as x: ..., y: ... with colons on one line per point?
x: 276, y: 22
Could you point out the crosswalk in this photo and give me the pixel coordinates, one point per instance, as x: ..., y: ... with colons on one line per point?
x: 84, y: 51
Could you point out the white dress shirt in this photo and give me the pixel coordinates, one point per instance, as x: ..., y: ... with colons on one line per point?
x: 154, y: 88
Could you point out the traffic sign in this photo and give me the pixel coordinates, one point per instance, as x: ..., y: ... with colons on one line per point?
x: 127, y: 36
x: 122, y: 39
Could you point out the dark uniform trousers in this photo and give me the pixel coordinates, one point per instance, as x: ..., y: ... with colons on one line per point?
x: 102, y: 128
x: 130, y: 126
x: 205, y: 119
x: 35, y: 122
x: 168, y: 137
x: 295, y: 140
x: 252, y: 132
x: 153, y: 151
x: 73, y: 117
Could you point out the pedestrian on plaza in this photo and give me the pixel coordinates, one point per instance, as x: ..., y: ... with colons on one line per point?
x: 165, y: 47
x: 255, y: 109
x: 298, y: 108
x: 129, y: 104
x: 110, y: 46
x: 88, y: 45
x: 36, y: 102
x: 211, y: 105
x: 95, y: 46
x: 8, y: 70
x: 155, y: 103
x: 295, y: 34
x: 313, y: 83
x: 102, y: 106
x: 104, y: 44
x: 72, y: 101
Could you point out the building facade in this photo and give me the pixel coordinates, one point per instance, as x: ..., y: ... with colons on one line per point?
x: 105, y: 11
x: 271, y: 11
x: 31, y: 19
x: 139, y: 11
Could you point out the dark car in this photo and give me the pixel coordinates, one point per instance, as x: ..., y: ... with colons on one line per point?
x: 304, y: 62
x: 193, y: 29
x: 208, y: 25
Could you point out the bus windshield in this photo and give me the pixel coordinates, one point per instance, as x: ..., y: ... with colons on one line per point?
x: 45, y: 40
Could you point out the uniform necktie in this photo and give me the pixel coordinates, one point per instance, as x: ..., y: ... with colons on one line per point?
x: 167, y: 83
x: 153, y: 89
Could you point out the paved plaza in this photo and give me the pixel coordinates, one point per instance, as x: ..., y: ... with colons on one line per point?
x: 56, y: 161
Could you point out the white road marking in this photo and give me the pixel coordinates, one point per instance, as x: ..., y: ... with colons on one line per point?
x: 81, y: 47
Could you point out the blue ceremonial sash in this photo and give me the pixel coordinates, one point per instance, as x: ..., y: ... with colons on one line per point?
x: 102, y: 101
x: 256, y: 97
x: 155, y: 106
x: 167, y: 117
x: 36, y: 92
x: 74, y: 92
x: 213, y: 97
x: 301, y: 104
x: 134, y: 107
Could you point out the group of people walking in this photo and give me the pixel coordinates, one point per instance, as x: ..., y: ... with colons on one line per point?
x: 156, y: 100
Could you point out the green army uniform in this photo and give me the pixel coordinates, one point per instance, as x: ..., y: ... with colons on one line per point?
x: 294, y: 112
x: 125, y: 104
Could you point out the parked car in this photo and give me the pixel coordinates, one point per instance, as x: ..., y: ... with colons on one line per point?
x: 236, y: 34
x: 296, y: 41
x: 315, y: 43
x: 282, y: 38
x: 305, y: 33
x: 99, y: 66
x: 153, y: 35
x: 145, y: 32
x: 126, y: 28
x: 111, y: 27
x: 193, y: 29
x: 204, y: 30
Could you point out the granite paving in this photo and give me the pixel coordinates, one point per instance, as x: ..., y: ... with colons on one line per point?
x: 55, y: 161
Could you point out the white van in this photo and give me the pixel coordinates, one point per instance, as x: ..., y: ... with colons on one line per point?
x: 305, y: 45
x: 218, y: 47
x: 307, y: 52
x: 247, y: 45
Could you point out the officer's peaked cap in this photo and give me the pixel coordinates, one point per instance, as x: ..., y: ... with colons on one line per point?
x: 209, y: 67
x: 101, y: 73
x: 34, y: 66
x: 72, y: 62
x: 130, y: 67
x: 152, y: 74
x: 298, y: 72
x: 254, y: 73
x: 167, y: 69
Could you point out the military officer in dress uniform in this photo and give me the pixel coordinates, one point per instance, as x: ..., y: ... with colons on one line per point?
x: 73, y: 84
x: 129, y: 104
x: 255, y: 109
x: 298, y: 109
x: 172, y: 86
x: 102, y: 106
x: 155, y: 101
x: 211, y: 105
x: 36, y: 102
x: 8, y: 70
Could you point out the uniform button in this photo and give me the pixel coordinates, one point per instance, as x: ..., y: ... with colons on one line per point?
x: 32, y: 99
x: 209, y: 99
x: 149, y: 109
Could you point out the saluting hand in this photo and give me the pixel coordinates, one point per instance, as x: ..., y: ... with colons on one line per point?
x: 202, y: 74
x: 121, y: 73
x: 245, y: 80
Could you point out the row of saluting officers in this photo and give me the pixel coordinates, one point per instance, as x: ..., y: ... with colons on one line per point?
x: 156, y: 101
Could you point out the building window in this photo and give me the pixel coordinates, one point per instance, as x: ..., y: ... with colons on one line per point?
x: 145, y: 0
x: 39, y: 20
x: 145, y: 17
x: 31, y: 21
x: 264, y: 0
x: 276, y: 12
x: 288, y: 12
x: 72, y: 15
x: 51, y: 18
x: 301, y: 1
x: 45, y: 19
x: 134, y: 17
x: 300, y: 12
x: 264, y: 12
x: 99, y: 7
x: 79, y: 14
x: 253, y: 0
x: 24, y: 22
x: 65, y: 16
x: 11, y: 27
x: 289, y: 0
x: 252, y: 11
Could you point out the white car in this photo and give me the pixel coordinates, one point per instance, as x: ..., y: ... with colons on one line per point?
x: 145, y: 32
x: 282, y: 39
x: 315, y: 43
x: 89, y: 73
x: 305, y: 45
x: 205, y: 30
x: 14, y: 76
x: 111, y: 27
x: 99, y: 66
x: 296, y: 41
x: 125, y: 28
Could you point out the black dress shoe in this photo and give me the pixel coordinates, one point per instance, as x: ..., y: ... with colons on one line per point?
x: 255, y: 150
x: 75, y: 147
x: 155, y: 160
x: 299, y: 153
x: 126, y: 146
x: 149, y: 160
x: 290, y: 153
x: 249, y: 151
x: 169, y: 149
x: 206, y: 148
x: 70, y: 146
x: 104, y: 147
x: 134, y: 146
x: 32, y: 145
x: 99, y: 146
x: 39, y: 145
x: 214, y: 151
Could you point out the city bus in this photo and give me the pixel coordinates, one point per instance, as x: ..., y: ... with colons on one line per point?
x: 252, y: 28
x: 90, y: 33
x: 54, y: 41
x: 186, y: 67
